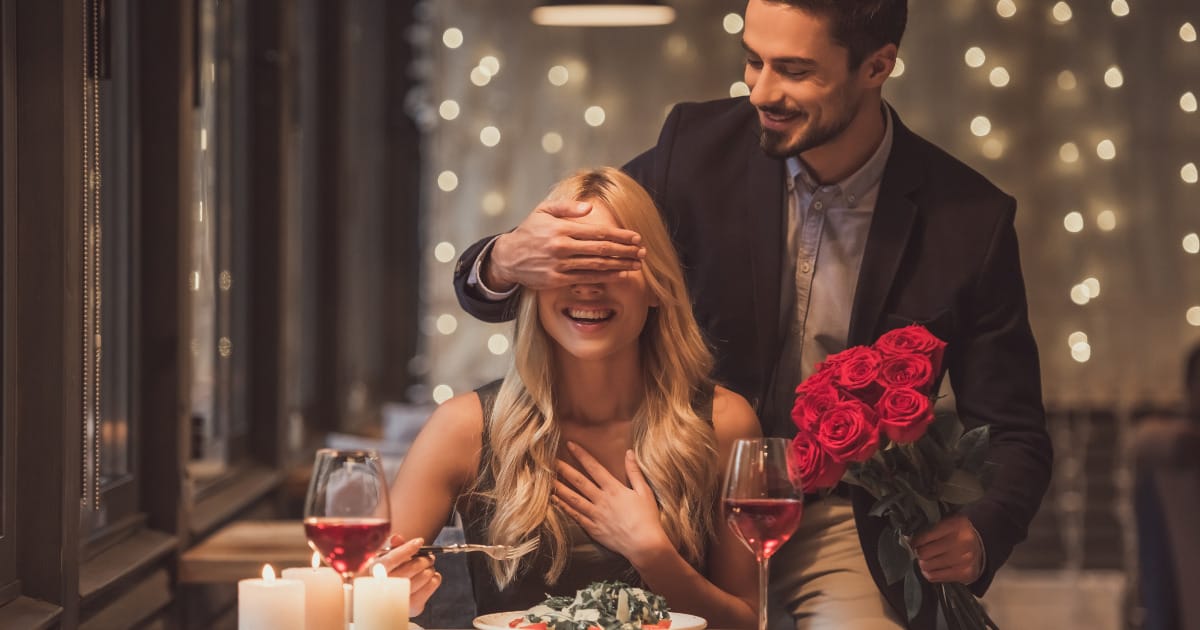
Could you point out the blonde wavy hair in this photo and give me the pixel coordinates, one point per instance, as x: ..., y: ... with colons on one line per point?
x: 675, y: 448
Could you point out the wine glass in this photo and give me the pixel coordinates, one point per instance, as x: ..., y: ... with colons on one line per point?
x: 346, y: 513
x: 762, y: 504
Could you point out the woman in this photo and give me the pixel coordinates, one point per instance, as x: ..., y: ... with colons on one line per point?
x: 606, y: 441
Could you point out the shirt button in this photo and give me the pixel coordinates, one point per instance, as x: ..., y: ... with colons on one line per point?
x: 818, y: 205
x: 805, y: 267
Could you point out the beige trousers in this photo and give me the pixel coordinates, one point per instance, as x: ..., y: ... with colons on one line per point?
x: 820, y: 580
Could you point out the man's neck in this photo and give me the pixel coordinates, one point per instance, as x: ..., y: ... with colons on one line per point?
x: 834, y: 161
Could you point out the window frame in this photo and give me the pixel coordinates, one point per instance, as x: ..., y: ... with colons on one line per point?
x: 9, y: 586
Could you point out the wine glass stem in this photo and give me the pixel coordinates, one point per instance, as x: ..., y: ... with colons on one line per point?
x: 763, y: 574
x: 348, y: 602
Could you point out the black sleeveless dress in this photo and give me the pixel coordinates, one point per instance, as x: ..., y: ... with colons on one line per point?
x: 587, y: 561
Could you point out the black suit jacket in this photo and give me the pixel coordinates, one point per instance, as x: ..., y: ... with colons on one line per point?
x: 941, y: 251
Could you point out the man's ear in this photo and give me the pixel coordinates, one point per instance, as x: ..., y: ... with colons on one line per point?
x: 878, y: 66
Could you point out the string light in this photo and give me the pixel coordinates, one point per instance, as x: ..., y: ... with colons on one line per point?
x: 493, y: 204
x: 1193, y: 316
x: 1006, y: 8
x: 1106, y: 150
x: 1061, y: 12
x: 733, y: 23
x: 999, y: 76
x: 677, y: 46
x: 974, y: 57
x: 1093, y: 287
x: 992, y: 149
x: 898, y: 69
x: 490, y: 65
x: 1188, y: 173
x: 1068, y: 153
x: 1107, y: 220
x: 442, y: 393
x: 1076, y: 338
x: 1187, y: 32
x: 981, y: 126
x: 1120, y: 8
x: 558, y: 76
x: 452, y: 38
x: 1113, y: 77
x: 449, y: 109
x: 1066, y: 80
x: 552, y: 142
x: 594, y: 116
x: 444, y: 252
x: 447, y: 181
x: 1187, y: 102
x: 739, y: 88
x: 480, y: 77
x: 1191, y: 243
x: 497, y: 344
x: 1079, y: 294
x: 1073, y: 222
x: 489, y: 136
x: 447, y: 324
x: 1081, y: 352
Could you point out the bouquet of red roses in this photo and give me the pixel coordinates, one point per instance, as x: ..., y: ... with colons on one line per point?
x: 866, y: 417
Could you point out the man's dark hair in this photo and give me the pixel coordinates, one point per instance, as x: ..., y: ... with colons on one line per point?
x: 861, y: 26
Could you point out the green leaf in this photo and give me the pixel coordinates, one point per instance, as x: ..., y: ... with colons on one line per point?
x: 912, y: 594
x: 961, y: 488
x: 885, y: 504
x: 937, y: 457
x: 933, y: 512
x: 946, y: 428
x: 941, y: 617
x: 973, y: 447
x: 893, y: 557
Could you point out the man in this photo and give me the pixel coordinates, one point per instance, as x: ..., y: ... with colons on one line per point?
x: 809, y: 219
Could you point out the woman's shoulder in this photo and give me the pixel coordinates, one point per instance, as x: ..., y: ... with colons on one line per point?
x: 733, y: 417
x: 460, y: 417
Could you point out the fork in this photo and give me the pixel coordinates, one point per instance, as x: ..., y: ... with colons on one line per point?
x: 498, y: 552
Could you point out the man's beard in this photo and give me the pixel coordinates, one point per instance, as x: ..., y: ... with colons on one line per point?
x: 776, y: 145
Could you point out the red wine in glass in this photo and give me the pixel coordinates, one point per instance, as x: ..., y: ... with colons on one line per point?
x: 346, y: 544
x: 346, y: 513
x: 764, y: 524
x: 762, y: 505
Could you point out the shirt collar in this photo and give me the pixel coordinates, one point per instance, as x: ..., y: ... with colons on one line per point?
x: 859, y: 183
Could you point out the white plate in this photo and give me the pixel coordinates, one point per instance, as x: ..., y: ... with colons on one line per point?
x: 499, y: 621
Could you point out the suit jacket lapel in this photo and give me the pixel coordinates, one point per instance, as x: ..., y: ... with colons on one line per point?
x: 764, y: 208
x: 889, y: 234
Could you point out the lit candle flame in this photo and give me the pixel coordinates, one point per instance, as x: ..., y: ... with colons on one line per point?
x: 379, y: 571
x: 268, y: 574
x: 316, y: 561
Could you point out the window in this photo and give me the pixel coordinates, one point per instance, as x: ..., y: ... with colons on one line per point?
x: 217, y: 224
x: 109, y: 455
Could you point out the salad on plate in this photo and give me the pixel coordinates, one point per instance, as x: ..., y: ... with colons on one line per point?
x: 599, y: 606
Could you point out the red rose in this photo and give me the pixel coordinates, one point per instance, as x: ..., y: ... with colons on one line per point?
x: 847, y: 432
x: 857, y: 371
x: 904, y: 414
x: 912, y: 339
x: 906, y: 370
x: 811, y: 402
x: 810, y: 467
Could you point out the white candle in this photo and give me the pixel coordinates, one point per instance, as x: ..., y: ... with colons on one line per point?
x: 324, y: 599
x: 270, y: 603
x: 380, y: 602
